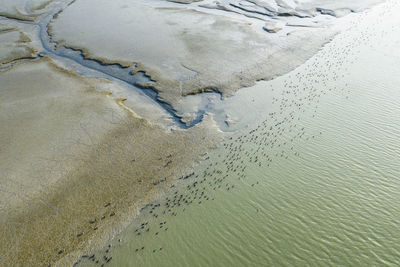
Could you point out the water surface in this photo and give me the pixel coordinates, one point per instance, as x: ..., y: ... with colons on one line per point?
x: 314, y: 179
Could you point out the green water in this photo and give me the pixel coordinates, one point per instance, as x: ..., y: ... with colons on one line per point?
x: 314, y: 181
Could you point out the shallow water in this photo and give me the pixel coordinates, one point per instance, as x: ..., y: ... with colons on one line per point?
x: 313, y: 181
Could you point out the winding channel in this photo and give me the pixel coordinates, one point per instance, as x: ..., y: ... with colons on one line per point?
x: 108, y: 71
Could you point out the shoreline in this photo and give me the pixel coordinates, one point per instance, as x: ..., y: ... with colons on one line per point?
x: 102, y: 249
x: 116, y: 160
x: 107, y: 156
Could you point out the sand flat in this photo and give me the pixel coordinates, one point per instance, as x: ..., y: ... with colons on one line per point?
x: 76, y: 163
x: 14, y: 44
x: 43, y: 118
x: 199, y: 52
x: 27, y: 10
x: 68, y: 150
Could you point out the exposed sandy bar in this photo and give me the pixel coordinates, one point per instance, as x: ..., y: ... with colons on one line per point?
x: 14, y: 45
x: 27, y: 10
x: 184, y: 50
x: 201, y: 47
x: 70, y: 147
x: 68, y: 150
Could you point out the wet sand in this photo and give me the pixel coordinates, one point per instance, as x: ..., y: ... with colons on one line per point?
x: 206, y: 47
x: 76, y: 163
x: 14, y: 45
x: 201, y: 51
x: 311, y: 182
x: 26, y: 10
x: 77, y: 159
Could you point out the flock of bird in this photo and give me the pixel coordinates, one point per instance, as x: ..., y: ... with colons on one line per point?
x: 274, y: 138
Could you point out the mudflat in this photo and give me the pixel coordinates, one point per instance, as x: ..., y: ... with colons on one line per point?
x: 82, y: 150
x: 75, y: 163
